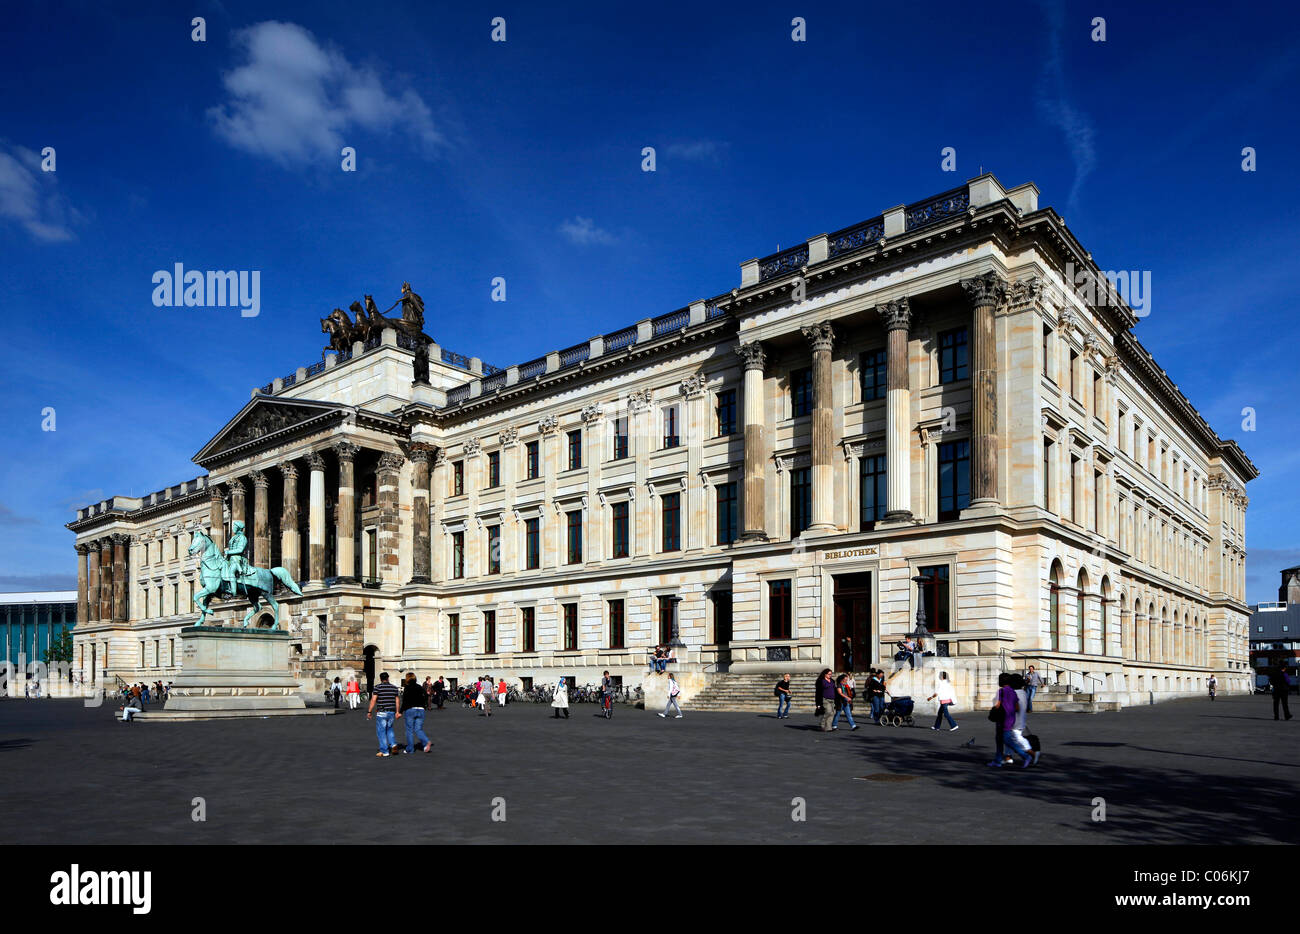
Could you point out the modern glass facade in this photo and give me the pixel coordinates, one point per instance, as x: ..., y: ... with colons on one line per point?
x: 31, y: 620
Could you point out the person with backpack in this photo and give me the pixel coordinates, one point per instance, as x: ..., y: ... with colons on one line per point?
x: 673, y: 691
x: 947, y: 697
x: 336, y: 691
x: 782, y: 693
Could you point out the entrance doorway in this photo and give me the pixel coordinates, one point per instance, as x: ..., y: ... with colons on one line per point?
x: 852, y: 621
x: 371, y: 652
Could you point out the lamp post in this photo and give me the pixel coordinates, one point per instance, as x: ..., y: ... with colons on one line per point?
x: 920, y: 632
x: 676, y: 641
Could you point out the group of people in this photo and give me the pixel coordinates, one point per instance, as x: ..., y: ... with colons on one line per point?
x: 660, y: 657
x: 1009, y: 729
x: 136, y: 696
x: 388, y: 704
x: 833, y: 697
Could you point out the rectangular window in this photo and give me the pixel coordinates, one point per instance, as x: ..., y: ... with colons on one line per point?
x: 575, y: 537
x: 616, y: 624
x: 618, y: 512
x: 453, y: 633
x: 875, y: 381
x: 575, y: 449
x: 800, y: 500
x: 490, y: 631
x: 1048, y: 369
x: 954, y: 362
x: 801, y: 392
x: 494, y: 549
x: 528, y: 619
x: 671, y: 437
x: 728, y: 513
x: 778, y: 609
x: 570, y: 627
x: 672, y: 516
x: 665, y: 619
x: 954, y: 478
x: 532, y: 461
x: 875, y: 490
x: 457, y: 478
x: 620, y: 438
x: 1047, y: 474
x: 457, y: 554
x: 1096, y: 501
x: 1074, y: 375
x: 726, y: 412
x: 532, y: 544
x: 721, y: 617
x: 1097, y: 397
x: 494, y: 469
x: 934, y: 597
x: 1074, y: 489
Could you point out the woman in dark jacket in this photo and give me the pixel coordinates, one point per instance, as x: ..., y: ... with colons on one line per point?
x: 825, y: 699
x: 413, y: 700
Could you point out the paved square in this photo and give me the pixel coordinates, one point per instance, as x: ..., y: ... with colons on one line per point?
x: 1182, y: 772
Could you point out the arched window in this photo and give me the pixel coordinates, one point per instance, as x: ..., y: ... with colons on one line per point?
x: 1081, y: 611
x: 1054, y: 606
x: 1153, y: 631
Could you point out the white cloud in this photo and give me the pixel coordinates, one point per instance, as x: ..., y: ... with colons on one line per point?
x: 1058, y: 110
x: 296, y: 100
x: 31, y: 197
x: 584, y: 232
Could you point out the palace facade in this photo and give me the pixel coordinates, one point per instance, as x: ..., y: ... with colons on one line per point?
x: 922, y: 412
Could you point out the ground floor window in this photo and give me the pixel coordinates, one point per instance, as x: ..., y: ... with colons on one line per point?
x: 453, y: 634
x: 570, y: 627
x: 778, y: 609
x: 616, y: 624
x: 935, y: 597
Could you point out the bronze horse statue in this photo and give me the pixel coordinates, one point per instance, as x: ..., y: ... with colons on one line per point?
x: 370, y: 322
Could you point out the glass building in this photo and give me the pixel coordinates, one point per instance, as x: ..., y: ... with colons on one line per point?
x: 32, y: 620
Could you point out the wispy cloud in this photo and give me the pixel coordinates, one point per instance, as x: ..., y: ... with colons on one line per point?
x: 703, y: 150
x: 295, y: 100
x: 1058, y: 110
x: 31, y: 198
x: 9, y: 518
x: 584, y: 232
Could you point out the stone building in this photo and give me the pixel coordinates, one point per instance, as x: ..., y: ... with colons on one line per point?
x: 943, y: 408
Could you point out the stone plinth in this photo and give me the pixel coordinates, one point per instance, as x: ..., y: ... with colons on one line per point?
x: 234, y: 670
x: 691, y: 679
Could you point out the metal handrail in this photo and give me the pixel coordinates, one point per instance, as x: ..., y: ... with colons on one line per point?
x: 1082, y: 674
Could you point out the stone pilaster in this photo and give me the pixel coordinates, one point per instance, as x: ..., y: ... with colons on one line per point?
x: 106, y: 579
x: 290, y: 547
x: 346, y: 510
x: 119, y: 577
x: 755, y: 493
x: 82, y: 608
x: 986, y: 293
x: 821, y: 338
x: 217, y: 517
x: 261, y: 519
x: 316, y: 517
x: 421, y: 553
x: 92, y: 582
x: 896, y: 316
x: 389, y: 531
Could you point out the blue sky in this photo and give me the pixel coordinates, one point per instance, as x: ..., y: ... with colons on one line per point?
x: 522, y: 159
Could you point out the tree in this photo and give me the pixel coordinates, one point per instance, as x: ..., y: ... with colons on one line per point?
x: 60, y: 650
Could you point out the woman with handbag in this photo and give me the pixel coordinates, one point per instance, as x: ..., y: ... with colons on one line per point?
x: 825, y: 699
x: 947, y: 697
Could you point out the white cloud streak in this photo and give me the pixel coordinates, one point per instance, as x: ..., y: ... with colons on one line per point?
x: 31, y: 198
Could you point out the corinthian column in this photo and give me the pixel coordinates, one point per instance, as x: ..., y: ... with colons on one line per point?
x: 346, y: 511
x: 755, y: 447
x: 421, y: 554
x: 106, y: 579
x: 289, y: 547
x: 82, y: 608
x: 316, y: 518
x: 92, y: 581
x: 389, y: 531
x: 897, y: 319
x: 261, y: 520
x: 216, y: 517
x: 238, y: 512
x: 119, y: 577
x: 821, y: 337
x: 985, y: 292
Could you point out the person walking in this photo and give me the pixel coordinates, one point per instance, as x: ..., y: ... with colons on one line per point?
x: 825, y: 699
x: 1033, y: 681
x: 1213, y: 685
x: 502, y: 690
x: 1281, y: 691
x: 843, y: 702
x: 782, y: 692
x: 336, y: 691
x: 439, y: 692
x: 998, y: 715
x: 561, y: 699
x: 947, y: 697
x: 673, y: 691
x: 484, y: 688
x: 353, y: 692
x: 428, y: 692
x: 383, y: 707
x: 876, y: 694
x: 414, y: 697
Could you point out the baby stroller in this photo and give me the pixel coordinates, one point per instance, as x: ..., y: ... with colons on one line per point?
x: 897, y: 712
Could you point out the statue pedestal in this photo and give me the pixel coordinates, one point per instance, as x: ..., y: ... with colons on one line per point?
x: 232, y: 673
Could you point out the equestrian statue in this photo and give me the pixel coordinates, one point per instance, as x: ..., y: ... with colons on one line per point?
x: 229, y: 575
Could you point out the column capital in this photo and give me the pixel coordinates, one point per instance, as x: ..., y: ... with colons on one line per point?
x: 260, y: 480
x: 315, y: 461
x: 987, y: 289
x: 508, y: 436
x: 420, y: 453
x: 591, y: 413
x: 896, y: 315
x: 121, y: 539
x: 692, y: 386
x: 236, y: 486
x: 289, y: 470
x: 820, y: 336
x: 548, y: 424
x: 389, y: 461
x: 753, y: 355
x: 82, y: 549
x: 215, y: 494
x: 346, y: 450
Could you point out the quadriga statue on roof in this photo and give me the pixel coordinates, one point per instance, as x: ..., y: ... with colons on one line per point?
x: 371, y: 322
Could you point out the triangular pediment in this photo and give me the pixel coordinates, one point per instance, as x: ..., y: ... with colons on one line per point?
x: 264, y: 417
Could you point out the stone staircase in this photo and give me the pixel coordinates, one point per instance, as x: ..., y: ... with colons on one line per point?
x: 1061, y: 698
x: 753, y: 693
